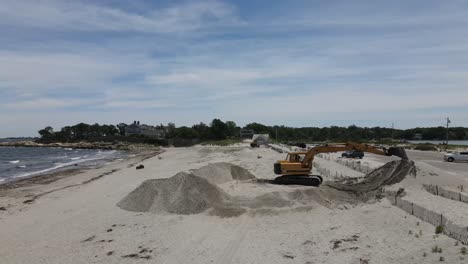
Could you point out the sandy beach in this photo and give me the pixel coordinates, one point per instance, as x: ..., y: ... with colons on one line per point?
x: 76, y: 219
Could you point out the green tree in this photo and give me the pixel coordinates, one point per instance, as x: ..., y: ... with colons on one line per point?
x: 171, y: 129
x: 65, y: 134
x: 121, y: 128
x: 232, y: 129
x: 458, y: 133
x: 257, y: 128
x: 109, y: 130
x: 95, y: 130
x: 186, y: 133
x: 218, y: 129
x: 81, y: 131
x: 47, y: 133
x: 202, y: 130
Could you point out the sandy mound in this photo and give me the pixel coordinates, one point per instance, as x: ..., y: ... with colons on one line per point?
x: 186, y: 193
x: 181, y: 194
x: 194, y: 193
x: 389, y: 174
x: 218, y: 173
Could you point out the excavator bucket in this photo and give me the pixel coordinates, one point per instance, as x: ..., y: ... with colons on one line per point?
x: 397, y: 151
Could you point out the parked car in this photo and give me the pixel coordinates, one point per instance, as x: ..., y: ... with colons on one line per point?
x: 353, y: 154
x: 456, y: 156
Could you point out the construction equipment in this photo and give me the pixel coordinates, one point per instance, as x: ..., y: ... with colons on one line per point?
x: 296, y: 168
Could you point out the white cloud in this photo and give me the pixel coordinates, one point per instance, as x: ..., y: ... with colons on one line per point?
x: 73, y: 15
x: 45, y: 103
x: 43, y: 71
x: 204, y: 77
x: 137, y: 104
x: 384, y: 15
x: 272, y: 69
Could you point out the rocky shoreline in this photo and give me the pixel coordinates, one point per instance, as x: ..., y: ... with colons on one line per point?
x: 83, y: 145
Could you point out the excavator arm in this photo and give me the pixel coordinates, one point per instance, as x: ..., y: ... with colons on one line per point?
x: 296, y: 170
x: 309, y: 158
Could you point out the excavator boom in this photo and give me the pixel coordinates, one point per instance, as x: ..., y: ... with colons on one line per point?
x: 298, y: 165
x: 392, y: 151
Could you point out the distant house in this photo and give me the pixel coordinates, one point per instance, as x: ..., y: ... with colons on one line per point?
x: 261, y: 139
x: 417, y: 136
x: 141, y: 129
x: 246, y: 133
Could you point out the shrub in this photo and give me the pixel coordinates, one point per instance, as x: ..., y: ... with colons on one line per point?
x: 439, y: 229
x: 436, y: 249
x: 463, y: 250
x: 425, y: 147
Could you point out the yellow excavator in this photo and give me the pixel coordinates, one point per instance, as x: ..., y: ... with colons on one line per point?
x: 296, y: 168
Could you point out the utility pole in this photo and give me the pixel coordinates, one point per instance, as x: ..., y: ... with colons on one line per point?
x: 276, y: 135
x: 447, y: 135
x: 392, y: 131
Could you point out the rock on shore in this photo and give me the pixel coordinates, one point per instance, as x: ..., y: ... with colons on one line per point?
x: 80, y: 145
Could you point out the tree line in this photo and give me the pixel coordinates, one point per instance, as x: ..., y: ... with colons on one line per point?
x: 219, y: 130
x: 355, y: 133
x: 78, y: 132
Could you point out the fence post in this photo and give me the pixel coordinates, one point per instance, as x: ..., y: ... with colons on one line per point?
x: 437, y: 190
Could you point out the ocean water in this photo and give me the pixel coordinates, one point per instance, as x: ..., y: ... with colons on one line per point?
x: 453, y: 142
x: 23, y: 162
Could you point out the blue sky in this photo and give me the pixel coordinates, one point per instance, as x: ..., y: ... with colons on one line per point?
x: 297, y: 63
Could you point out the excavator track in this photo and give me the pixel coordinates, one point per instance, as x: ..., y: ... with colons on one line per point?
x: 307, y: 180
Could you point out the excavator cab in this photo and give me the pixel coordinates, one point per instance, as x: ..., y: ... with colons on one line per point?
x: 292, y: 164
x: 292, y: 171
x: 295, y: 157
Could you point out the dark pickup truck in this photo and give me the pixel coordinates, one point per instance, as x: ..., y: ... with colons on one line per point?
x: 353, y: 154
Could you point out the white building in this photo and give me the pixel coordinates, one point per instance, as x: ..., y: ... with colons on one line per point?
x: 261, y: 139
x: 141, y: 129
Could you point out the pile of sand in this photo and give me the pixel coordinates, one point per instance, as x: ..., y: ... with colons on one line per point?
x: 389, y: 174
x: 181, y: 194
x: 186, y: 193
x: 191, y: 193
x: 218, y: 173
x: 197, y: 192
